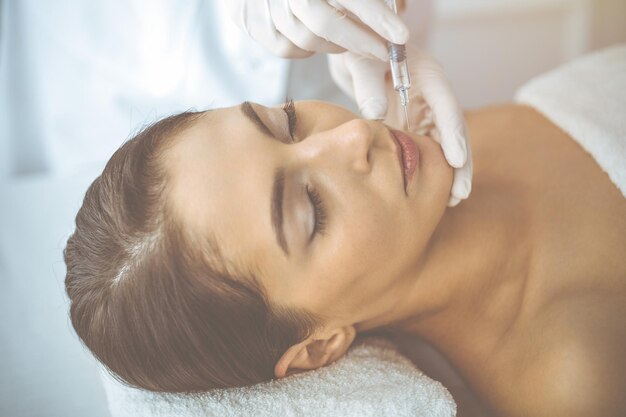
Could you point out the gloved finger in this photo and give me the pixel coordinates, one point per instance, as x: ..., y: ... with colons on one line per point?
x: 453, y: 142
x: 368, y: 83
x: 447, y: 114
x: 327, y: 22
x: 340, y: 74
x: 453, y: 202
x: 379, y: 17
x: 247, y: 14
x: 462, y: 182
x: 293, y: 29
x: 280, y: 46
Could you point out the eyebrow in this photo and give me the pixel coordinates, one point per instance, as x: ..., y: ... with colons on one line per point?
x: 278, y: 187
x: 248, y: 111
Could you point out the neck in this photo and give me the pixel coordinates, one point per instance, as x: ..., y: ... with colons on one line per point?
x: 473, y: 272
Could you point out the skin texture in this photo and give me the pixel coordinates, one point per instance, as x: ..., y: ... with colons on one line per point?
x: 539, y: 329
x: 222, y: 174
x: 522, y: 287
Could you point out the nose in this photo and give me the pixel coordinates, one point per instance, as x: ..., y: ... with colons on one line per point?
x: 348, y: 145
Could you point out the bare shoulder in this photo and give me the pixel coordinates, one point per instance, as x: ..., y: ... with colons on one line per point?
x: 576, y: 365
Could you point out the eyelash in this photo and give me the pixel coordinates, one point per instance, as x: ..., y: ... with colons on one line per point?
x: 290, y: 109
x: 314, y: 196
x: 319, y: 210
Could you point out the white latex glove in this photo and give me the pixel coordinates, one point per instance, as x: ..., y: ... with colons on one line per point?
x: 299, y: 28
x: 433, y: 108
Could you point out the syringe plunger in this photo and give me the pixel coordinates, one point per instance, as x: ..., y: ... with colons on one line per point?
x: 399, y: 68
x: 400, y: 75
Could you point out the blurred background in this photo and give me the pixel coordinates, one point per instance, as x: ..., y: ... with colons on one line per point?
x: 78, y: 78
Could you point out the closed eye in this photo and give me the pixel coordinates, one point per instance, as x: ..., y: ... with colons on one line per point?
x: 319, y: 212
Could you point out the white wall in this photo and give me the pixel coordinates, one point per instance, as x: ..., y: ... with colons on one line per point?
x: 44, y: 370
x: 491, y: 47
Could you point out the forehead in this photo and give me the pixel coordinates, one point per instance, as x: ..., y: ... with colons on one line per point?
x: 219, y: 184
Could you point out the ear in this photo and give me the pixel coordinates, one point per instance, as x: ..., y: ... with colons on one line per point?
x: 316, y: 351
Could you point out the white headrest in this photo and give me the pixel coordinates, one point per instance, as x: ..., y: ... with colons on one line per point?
x: 372, y: 379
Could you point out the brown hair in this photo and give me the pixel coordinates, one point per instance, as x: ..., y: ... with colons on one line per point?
x: 153, y: 301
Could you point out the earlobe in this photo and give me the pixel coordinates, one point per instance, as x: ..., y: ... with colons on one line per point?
x: 317, y: 351
x: 293, y: 354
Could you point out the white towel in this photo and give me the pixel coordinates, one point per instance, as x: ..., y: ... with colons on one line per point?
x: 372, y: 379
x: 587, y: 99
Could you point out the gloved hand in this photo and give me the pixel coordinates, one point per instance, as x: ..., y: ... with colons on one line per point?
x: 433, y: 109
x: 299, y: 28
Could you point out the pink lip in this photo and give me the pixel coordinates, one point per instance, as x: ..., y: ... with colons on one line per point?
x: 407, y: 153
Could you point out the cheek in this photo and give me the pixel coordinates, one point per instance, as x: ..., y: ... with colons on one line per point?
x: 372, y: 238
x: 389, y: 240
x: 361, y: 262
x: 365, y: 264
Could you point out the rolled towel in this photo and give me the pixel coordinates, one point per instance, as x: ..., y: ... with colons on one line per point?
x: 587, y: 99
x: 371, y: 379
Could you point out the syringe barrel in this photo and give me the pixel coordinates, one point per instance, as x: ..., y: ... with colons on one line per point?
x: 399, y: 67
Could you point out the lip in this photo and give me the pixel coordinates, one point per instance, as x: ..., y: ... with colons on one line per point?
x: 407, y: 155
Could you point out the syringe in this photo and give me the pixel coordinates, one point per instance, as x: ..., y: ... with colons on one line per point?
x: 399, y: 69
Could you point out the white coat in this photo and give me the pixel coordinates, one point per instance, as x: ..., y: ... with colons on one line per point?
x: 78, y: 77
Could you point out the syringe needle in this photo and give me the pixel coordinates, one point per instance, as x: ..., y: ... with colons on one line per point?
x: 406, y: 117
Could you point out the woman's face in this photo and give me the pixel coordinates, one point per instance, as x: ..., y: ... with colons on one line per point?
x: 323, y: 219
